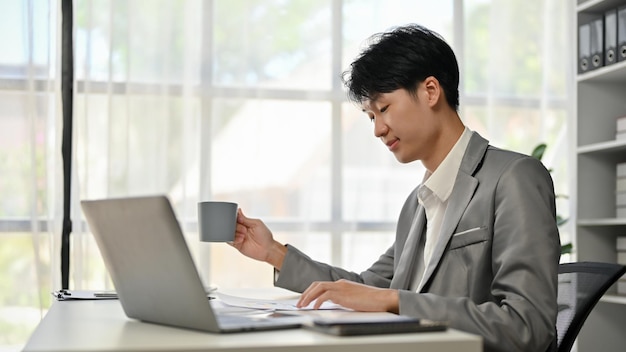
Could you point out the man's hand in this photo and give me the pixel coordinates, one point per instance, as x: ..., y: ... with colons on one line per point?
x: 253, y: 239
x: 351, y: 295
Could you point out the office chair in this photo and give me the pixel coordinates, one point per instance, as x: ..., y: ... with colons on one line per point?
x: 580, y: 287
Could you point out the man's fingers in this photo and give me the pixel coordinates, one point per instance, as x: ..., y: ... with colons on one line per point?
x: 244, y: 220
x: 314, y: 292
x: 304, y: 297
x: 242, y: 229
x: 321, y: 299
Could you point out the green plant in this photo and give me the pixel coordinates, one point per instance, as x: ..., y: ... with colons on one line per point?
x: 538, y: 154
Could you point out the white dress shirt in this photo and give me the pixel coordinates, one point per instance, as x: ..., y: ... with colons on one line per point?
x: 433, y: 195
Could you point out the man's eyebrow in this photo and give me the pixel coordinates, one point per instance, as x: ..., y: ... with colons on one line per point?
x: 370, y: 101
x: 369, y: 108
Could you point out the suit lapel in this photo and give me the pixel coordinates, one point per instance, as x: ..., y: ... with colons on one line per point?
x: 459, y: 199
x: 406, y: 264
x: 464, y: 187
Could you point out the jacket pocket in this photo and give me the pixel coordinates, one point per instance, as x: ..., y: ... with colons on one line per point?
x: 469, y: 237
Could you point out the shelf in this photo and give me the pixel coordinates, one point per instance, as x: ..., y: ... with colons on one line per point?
x: 610, y: 147
x: 612, y: 73
x: 598, y: 5
x: 599, y: 100
x: 602, y: 222
x: 613, y: 299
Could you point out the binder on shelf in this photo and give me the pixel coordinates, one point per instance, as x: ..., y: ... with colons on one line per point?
x: 620, y: 170
x: 596, y: 43
x: 620, y: 200
x: 621, y: 243
x: 584, y: 38
x: 610, y: 37
x: 620, y: 128
x: 621, y: 257
x: 620, y: 192
x: 621, y: 33
x: 621, y: 184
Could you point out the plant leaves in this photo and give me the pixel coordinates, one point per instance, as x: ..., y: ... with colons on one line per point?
x: 539, y: 151
x: 566, y: 248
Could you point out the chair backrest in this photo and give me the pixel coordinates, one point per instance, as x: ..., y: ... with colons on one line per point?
x: 581, y: 285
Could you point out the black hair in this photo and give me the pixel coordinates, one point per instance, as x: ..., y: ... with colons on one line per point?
x: 402, y: 58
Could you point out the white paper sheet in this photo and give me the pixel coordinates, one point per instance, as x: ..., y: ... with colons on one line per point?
x: 270, y: 304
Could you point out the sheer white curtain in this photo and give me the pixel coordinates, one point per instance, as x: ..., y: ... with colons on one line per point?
x: 238, y: 101
x: 30, y: 164
x: 241, y: 101
x: 137, y: 109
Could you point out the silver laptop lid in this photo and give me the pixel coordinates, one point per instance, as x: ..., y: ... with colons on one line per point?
x: 146, y: 255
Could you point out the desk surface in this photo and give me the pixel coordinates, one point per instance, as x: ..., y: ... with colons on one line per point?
x: 102, y: 326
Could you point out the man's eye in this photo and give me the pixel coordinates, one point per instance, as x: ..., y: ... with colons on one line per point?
x: 384, y: 108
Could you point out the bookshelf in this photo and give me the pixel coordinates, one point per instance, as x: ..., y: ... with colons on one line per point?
x: 601, y: 99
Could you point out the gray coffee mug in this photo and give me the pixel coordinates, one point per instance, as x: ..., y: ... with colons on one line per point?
x: 217, y: 221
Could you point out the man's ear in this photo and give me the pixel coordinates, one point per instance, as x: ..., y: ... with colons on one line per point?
x: 433, y: 90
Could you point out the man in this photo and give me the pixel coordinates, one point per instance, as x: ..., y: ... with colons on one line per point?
x: 476, y: 242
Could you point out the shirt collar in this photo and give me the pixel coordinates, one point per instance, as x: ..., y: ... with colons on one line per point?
x: 442, y: 180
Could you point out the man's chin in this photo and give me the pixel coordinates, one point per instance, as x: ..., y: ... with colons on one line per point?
x: 403, y: 158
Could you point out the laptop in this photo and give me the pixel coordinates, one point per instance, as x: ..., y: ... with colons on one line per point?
x: 156, y: 280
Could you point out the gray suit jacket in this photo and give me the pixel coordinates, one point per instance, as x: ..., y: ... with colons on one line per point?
x: 493, y: 271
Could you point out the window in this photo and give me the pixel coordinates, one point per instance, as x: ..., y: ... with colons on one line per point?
x: 249, y: 110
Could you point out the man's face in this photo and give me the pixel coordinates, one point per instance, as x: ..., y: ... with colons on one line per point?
x: 406, y: 124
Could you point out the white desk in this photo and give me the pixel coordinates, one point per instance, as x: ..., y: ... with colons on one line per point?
x: 102, y: 326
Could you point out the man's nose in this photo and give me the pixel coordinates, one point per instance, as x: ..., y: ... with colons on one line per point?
x: 380, y: 128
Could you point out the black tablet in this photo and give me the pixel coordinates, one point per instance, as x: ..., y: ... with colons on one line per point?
x: 395, y: 325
